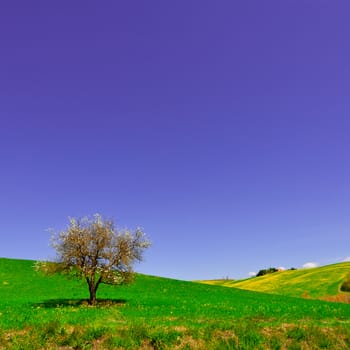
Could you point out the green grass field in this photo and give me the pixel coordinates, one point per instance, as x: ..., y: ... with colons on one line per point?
x: 38, y: 312
x: 320, y: 282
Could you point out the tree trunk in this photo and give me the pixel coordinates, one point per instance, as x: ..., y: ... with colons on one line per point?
x: 92, y: 291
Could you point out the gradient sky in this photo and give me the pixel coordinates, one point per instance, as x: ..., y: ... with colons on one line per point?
x: 220, y: 127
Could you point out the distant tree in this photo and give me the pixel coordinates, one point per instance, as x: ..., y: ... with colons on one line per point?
x: 266, y: 271
x: 93, y: 249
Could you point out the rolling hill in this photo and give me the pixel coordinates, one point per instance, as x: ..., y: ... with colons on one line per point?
x: 319, y: 282
x: 38, y: 312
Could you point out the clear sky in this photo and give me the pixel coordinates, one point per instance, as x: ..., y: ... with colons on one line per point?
x: 220, y: 127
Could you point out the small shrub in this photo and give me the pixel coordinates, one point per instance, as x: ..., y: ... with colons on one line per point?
x: 345, y: 287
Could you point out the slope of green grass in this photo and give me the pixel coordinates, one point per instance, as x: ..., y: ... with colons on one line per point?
x: 38, y: 312
x: 317, y: 282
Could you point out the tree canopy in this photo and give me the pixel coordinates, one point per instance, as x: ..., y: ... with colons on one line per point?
x: 93, y: 249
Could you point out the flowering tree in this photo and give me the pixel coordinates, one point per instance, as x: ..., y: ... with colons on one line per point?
x: 92, y: 248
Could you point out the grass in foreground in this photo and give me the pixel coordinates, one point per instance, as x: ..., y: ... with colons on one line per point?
x: 37, y: 312
x: 321, y: 282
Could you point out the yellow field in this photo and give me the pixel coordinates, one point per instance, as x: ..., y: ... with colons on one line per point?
x: 320, y: 282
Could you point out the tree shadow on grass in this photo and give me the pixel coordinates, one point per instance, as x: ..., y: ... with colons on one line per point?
x: 56, y: 303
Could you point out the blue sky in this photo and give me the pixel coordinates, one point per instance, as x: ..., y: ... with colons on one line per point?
x: 221, y: 128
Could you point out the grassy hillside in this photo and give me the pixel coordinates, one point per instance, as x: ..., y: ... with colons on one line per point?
x: 38, y: 312
x: 317, y: 282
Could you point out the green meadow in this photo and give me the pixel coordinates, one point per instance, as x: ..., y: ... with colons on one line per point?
x: 38, y: 312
